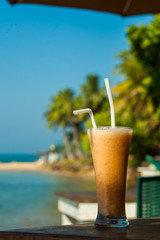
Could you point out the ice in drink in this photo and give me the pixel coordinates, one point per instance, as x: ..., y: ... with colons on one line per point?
x: 110, y: 149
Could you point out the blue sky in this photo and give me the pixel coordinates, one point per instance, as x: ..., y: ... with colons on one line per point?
x: 43, y: 50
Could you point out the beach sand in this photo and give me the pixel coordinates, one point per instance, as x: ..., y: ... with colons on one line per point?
x: 37, y: 167
x: 21, y: 166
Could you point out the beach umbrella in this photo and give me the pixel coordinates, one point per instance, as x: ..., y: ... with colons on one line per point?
x: 121, y: 7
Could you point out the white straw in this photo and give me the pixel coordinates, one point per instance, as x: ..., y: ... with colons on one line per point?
x: 110, y: 102
x: 89, y: 111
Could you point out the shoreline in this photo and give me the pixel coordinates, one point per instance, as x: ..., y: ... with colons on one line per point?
x: 19, y: 166
x: 80, y: 171
x: 37, y: 167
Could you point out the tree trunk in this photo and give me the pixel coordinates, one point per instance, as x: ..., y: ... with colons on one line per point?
x: 76, y: 140
x: 67, y: 145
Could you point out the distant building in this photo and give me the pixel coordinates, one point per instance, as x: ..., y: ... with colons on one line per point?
x: 53, y: 157
x: 50, y: 156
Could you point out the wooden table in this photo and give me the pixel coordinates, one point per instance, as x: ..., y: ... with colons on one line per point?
x: 139, y: 229
x: 81, y: 207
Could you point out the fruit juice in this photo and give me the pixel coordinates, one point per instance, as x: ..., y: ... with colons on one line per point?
x: 110, y: 149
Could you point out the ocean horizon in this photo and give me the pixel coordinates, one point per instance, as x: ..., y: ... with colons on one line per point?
x: 18, y: 157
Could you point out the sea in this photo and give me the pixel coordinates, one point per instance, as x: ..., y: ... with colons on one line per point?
x: 18, y: 157
x: 27, y: 199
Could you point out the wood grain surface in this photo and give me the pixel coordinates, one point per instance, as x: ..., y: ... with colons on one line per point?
x: 81, y: 196
x: 139, y: 229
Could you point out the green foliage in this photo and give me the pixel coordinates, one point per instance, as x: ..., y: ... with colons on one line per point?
x: 145, y: 44
x: 138, y: 97
x: 59, y: 148
x: 61, y: 109
x: 87, y: 161
x: 85, y: 143
x: 60, y: 112
x: 136, y: 100
x: 134, y: 162
x: 91, y: 94
x: 130, y: 67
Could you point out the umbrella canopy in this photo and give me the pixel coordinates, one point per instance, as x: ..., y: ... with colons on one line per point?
x: 122, y: 7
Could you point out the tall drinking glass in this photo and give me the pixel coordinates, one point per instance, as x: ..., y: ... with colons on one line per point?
x: 110, y: 149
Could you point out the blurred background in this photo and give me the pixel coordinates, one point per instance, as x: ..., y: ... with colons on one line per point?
x: 52, y: 61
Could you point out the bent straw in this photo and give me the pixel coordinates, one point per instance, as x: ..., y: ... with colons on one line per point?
x: 89, y: 111
x: 110, y: 102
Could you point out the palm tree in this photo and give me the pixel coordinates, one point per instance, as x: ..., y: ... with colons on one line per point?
x: 61, y: 113
x: 56, y: 116
x: 91, y: 94
x: 131, y: 95
x: 135, y: 104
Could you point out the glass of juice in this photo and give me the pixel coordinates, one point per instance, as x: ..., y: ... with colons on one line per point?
x: 110, y: 150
